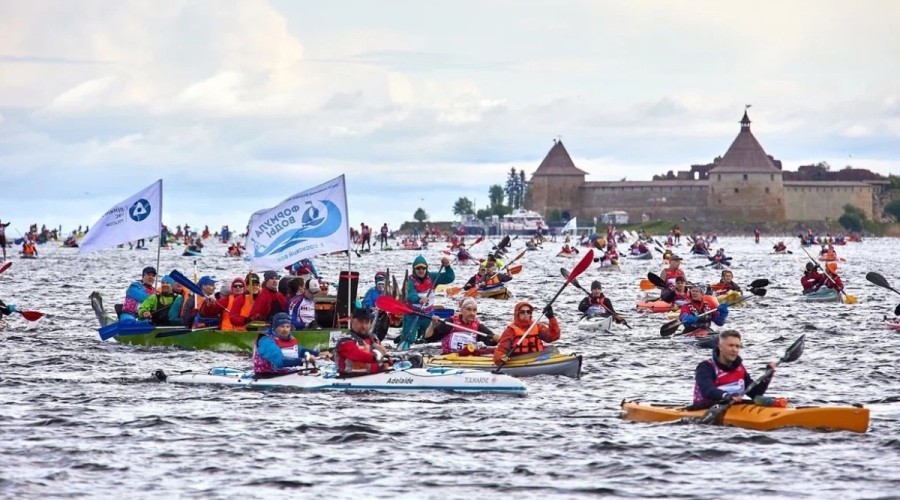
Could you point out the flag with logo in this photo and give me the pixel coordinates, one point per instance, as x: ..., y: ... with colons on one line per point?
x: 309, y: 223
x: 571, y: 225
x: 137, y: 217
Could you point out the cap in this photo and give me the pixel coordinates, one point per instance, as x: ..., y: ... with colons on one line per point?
x: 281, y: 318
x: 312, y: 285
x: 680, y: 279
x: 595, y: 285
x: 238, y: 281
x: 167, y: 280
x: 810, y: 266
x: 379, y: 280
x: 251, y: 279
x: 674, y: 257
x: 362, y: 313
x: 149, y: 270
x: 206, y: 280
x: 270, y: 275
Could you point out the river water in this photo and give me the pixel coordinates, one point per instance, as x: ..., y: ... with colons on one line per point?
x: 84, y: 418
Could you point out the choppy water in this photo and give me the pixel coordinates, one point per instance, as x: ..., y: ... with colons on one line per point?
x: 84, y: 418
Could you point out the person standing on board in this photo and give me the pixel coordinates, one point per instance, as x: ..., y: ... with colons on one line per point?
x: 3, y: 237
x: 723, y: 376
x: 756, y: 234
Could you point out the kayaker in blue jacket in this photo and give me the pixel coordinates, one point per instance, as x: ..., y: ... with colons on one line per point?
x: 7, y: 309
x: 376, y: 291
x: 723, y: 376
x: 137, y: 293
x: 277, y: 351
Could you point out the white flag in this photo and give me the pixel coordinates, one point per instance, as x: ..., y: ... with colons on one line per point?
x: 570, y: 226
x: 139, y: 216
x: 307, y: 224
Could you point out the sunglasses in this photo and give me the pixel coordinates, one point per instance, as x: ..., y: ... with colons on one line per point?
x: 237, y: 286
x: 420, y: 268
x: 526, y: 311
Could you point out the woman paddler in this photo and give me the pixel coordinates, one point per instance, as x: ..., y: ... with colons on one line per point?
x: 277, y: 352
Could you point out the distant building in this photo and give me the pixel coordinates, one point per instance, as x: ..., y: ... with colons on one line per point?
x: 744, y: 184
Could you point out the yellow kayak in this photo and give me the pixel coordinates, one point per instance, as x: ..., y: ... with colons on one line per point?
x: 730, y: 297
x: 547, y: 362
x: 760, y: 418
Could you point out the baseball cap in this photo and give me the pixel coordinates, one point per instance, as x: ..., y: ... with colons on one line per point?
x: 206, y: 280
x: 362, y: 313
x: 149, y: 270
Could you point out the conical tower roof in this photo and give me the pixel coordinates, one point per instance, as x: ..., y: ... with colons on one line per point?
x: 745, y: 154
x: 558, y: 162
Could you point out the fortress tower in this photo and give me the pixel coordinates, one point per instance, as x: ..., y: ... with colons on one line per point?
x: 556, y: 183
x: 745, y: 183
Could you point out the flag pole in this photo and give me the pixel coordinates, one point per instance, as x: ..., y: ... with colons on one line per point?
x: 159, y: 233
x: 349, y: 262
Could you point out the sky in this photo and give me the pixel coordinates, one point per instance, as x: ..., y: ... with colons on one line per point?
x: 238, y: 104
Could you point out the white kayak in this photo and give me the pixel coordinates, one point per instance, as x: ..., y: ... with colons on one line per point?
x: 406, y: 380
x: 595, y: 323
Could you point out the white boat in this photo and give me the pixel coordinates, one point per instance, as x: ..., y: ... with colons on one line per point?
x: 406, y: 380
x: 595, y: 323
x: 524, y: 222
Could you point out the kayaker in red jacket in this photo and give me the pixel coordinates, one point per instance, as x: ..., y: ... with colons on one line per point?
x: 269, y: 302
x: 358, y: 352
x: 812, y: 279
x: 723, y: 376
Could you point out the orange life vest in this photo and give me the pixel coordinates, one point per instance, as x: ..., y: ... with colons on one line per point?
x: 532, y: 342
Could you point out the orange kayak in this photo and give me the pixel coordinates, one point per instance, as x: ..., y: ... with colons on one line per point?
x: 656, y: 306
x: 760, y: 418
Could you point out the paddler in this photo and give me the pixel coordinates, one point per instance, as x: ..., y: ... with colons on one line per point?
x: 673, y: 271
x: 276, y: 350
x: 269, y: 302
x: 357, y: 352
x: 832, y: 279
x: 598, y: 304
x: 726, y: 283
x: 692, y: 310
x: 723, y: 376
x: 420, y: 296
x: 509, y: 345
x: 7, y: 309
x: 462, y: 341
x: 162, y: 308
x: 487, y: 277
x: 812, y: 279
x: 137, y: 293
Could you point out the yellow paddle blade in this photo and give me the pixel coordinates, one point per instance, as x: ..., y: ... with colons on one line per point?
x: 851, y: 299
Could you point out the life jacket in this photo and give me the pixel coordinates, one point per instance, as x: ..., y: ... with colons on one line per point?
x: 458, y: 339
x: 28, y: 249
x: 130, y: 305
x: 532, y: 342
x: 422, y: 287
x: 731, y: 382
x: 226, y: 324
x: 289, y: 349
x: 670, y: 275
x: 160, y: 315
x: 706, y: 304
x: 347, y: 366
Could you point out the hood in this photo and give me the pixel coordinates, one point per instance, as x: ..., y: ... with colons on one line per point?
x: 419, y: 260
x: 522, y: 323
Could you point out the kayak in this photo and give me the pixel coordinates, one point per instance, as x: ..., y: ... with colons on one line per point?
x: 730, y: 297
x: 823, y: 294
x: 703, y: 338
x: 405, y: 380
x: 607, y: 267
x: 641, y: 256
x: 718, y: 265
x: 760, y: 418
x: 598, y: 323
x: 494, y: 292
x: 655, y: 306
x: 893, y: 325
x: 547, y: 362
x: 567, y: 254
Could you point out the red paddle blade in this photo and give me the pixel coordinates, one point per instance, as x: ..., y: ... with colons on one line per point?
x: 6, y: 266
x: 581, y: 266
x: 31, y: 315
x: 392, y: 305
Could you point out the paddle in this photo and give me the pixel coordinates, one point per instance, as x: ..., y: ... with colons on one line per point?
x: 879, y: 280
x: 671, y: 327
x: 565, y: 274
x: 578, y: 269
x: 657, y: 281
x: 713, y: 414
x: 647, y: 285
x: 393, y: 306
x: 474, y: 290
x: 6, y: 266
x: 31, y: 315
x: 851, y: 299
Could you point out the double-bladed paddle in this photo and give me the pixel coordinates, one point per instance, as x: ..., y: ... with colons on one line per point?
x: 879, y: 280
x: 713, y: 414
x: 393, y: 306
x: 5, y: 266
x: 579, y: 268
x: 565, y: 274
x: 471, y: 292
x: 671, y: 327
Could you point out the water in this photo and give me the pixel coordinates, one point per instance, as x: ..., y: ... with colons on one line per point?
x: 83, y: 418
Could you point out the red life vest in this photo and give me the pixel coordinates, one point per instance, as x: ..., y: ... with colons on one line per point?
x: 731, y: 382
x: 288, y: 348
x: 670, y: 275
x: 347, y: 366
x: 457, y: 339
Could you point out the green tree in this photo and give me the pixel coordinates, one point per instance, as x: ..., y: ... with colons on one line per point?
x: 496, y: 195
x: 893, y: 208
x: 484, y: 213
x: 853, y: 219
x: 420, y: 215
x: 463, y: 206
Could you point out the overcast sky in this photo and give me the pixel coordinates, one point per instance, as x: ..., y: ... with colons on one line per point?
x: 238, y: 104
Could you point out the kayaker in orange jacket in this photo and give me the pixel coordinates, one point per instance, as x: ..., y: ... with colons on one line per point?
x: 509, y: 345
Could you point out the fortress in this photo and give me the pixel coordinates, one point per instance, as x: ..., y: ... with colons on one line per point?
x: 745, y: 184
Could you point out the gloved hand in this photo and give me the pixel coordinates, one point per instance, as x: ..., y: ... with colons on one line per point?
x: 723, y: 309
x: 689, y: 319
x: 548, y: 312
x: 12, y: 308
x: 378, y: 356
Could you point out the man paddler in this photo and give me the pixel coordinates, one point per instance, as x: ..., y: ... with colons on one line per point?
x: 723, y: 375
x: 420, y: 296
